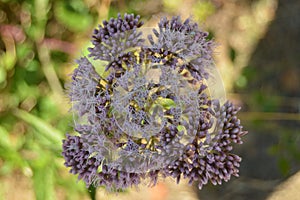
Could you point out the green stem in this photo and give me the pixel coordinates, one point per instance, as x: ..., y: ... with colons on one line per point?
x: 92, y: 192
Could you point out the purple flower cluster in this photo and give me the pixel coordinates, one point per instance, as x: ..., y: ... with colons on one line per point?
x: 216, y: 163
x: 151, y: 113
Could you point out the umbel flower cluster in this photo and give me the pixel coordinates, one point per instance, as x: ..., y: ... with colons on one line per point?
x: 150, y: 113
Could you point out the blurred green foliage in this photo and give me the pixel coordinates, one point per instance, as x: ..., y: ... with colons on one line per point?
x: 36, y: 47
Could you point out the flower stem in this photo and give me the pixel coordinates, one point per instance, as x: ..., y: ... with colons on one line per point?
x: 92, y: 192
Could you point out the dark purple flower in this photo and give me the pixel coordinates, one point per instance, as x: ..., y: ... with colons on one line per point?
x: 79, y: 159
x: 216, y: 163
x: 152, y: 113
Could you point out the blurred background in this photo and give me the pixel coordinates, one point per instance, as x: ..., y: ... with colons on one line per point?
x: 258, y: 56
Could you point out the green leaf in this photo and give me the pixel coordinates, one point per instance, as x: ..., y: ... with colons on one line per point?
x: 43, y: 177
x: 232, y: 54
x: 166, y: 102
x: 9, y: 153
x: 284, y: 166
x: 99, y: 67
x: 203, y: 9
x: 4, y: 141
x: 2, y: 75
x: 42, y: 126
x: 72, y: 18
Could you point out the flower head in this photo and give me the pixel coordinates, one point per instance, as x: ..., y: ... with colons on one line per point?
x: 152, y: 112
